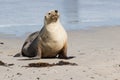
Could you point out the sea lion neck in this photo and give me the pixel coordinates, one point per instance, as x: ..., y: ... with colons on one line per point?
x: 51, y: 23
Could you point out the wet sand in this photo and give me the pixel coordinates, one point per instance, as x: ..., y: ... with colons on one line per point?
x: 96, y: 51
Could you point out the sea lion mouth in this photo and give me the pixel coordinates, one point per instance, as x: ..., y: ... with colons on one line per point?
x: 54, y: 17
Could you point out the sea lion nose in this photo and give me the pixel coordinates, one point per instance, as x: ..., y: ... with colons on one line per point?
x: 56, y: 11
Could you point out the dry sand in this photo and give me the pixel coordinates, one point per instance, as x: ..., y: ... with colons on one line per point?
x: 96, y: 51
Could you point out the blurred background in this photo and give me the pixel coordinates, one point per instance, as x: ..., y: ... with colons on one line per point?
x: 19, y: 17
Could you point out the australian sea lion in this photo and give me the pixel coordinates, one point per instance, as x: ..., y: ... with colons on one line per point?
x: 50, y: 41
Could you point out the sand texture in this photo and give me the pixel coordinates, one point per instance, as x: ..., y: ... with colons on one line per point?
x: 96, y: 51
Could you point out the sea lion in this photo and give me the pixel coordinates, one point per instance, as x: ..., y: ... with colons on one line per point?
x: 50, y: 41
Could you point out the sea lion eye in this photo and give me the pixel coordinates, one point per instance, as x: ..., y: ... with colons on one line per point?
x: 49, y: 13
x: 56, y: 11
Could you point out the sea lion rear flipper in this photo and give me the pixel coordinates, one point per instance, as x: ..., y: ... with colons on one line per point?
x: 17, y: 55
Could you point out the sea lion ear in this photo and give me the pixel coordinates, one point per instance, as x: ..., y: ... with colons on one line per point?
x: 45, y: 17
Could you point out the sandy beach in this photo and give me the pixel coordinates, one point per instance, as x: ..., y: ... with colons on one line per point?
x: 96, y: 51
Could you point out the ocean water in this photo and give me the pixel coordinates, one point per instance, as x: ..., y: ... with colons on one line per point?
x: 19, y: 17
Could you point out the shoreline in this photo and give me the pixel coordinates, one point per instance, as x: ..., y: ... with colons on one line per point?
x: 12, y: 33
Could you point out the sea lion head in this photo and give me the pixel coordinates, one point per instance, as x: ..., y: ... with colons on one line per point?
x: 51, y: 17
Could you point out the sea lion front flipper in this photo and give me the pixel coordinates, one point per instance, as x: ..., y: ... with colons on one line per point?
x: 39, y: 53
x: 63, y: 53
